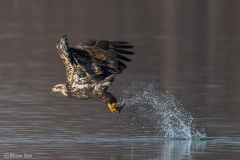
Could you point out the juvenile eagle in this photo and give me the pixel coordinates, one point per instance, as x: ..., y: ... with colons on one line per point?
x: 91, y: 68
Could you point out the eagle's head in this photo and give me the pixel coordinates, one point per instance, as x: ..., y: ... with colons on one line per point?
x: 60, y: 88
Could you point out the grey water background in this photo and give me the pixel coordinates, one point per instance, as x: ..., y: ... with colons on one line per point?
x: 189, y: 48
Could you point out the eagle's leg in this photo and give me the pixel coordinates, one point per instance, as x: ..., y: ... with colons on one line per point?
x: 112, y: 107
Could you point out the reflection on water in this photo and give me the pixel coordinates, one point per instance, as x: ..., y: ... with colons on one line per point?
x: 182, y: 150
x: 189, y: 48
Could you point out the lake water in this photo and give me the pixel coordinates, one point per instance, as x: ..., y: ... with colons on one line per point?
x: 182, y: 87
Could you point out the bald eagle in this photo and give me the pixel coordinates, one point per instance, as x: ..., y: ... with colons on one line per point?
x: 91, y: 68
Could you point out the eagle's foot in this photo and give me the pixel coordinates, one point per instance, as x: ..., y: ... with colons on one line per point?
x: 114, y: 108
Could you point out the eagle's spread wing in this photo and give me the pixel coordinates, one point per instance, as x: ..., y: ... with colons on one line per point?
x: 63, y: 50
x: 93, y: 60
x: 106, y: 56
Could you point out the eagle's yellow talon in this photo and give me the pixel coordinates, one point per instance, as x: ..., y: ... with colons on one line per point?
x: 113, y: 109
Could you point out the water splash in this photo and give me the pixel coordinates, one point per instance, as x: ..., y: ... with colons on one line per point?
x: 159, y: 112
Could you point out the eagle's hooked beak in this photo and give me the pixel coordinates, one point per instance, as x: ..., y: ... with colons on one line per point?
x: 53, y: 90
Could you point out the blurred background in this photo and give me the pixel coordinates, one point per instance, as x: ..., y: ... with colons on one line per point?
x: 190, y: 48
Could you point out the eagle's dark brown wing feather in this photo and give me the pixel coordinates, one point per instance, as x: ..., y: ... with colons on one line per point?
x: 106, y: 55
x: 93, y: 60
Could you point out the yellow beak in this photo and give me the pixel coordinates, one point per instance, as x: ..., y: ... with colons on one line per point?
x: 53, y: 90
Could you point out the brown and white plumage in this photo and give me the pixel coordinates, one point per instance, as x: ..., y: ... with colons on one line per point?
x: 91, y: 68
